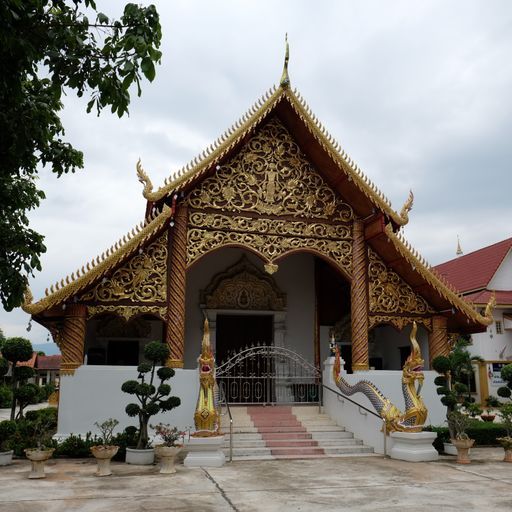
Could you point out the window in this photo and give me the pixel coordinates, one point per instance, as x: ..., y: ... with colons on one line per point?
x: 499, y: 328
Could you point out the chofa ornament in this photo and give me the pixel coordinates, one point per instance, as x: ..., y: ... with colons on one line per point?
x: 415, y: 415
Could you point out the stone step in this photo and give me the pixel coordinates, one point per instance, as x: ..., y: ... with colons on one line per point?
x: 297, y: 451
x: 348, y: 449
x: 338, y: 434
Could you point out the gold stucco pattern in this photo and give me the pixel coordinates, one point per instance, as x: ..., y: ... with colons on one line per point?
x: 389, y: 293
x: 271, y: 176
x: 142, y: 279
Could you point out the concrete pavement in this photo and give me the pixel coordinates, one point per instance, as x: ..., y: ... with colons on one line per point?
x: 333, y: 484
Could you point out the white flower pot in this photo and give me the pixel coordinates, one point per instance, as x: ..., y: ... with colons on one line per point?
x: 6, y: 458
x: 140, y: 457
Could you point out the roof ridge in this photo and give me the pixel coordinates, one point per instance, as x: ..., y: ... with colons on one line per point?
x: 458, y: 258
x: 77, y: 280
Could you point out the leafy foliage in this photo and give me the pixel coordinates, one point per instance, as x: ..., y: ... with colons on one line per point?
x: 49, y: 47
x: 455, y: 372
x: 506, y: 375
x: 151, y: 399
x: 7, y: 430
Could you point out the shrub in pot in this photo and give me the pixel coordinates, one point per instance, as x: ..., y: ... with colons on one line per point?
x: 172, y: 442
x: 7, y: 430
x: 491, y: 402
x: 152, y: 398
x: 506, y: 441
x: 453, y: 382
x: 104, y: 452
x: 458, y: 423
x: 43, y: 430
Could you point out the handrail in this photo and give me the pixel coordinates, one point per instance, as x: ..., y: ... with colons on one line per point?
x: 384, y: 425
x: 353, y: 401
x: 224, y: 400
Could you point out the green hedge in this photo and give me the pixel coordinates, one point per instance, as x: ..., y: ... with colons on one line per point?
x: 484, y: 434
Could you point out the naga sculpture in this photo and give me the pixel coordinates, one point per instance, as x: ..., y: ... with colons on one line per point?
x: 207, y: 416
x: 415, y: 415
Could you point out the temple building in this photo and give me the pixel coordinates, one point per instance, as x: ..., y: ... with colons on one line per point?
x: 278, y: 238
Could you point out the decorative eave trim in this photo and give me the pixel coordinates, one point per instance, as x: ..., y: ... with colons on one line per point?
x: 443, y: 287
x: 339, y: 155
x: 90, y: 272
x: 214, y: 154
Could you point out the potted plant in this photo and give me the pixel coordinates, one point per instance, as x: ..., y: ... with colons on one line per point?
x: 7, y: 430
x: 152, y: 399
x: 491, y: 402
x: 43, y: 432
x: 458, y: 423
x: 172, y: 444
x: 104, y: 452
x: 506, y: 442
x: 452, y: 384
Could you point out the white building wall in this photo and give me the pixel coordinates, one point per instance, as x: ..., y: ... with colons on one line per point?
x: 295, y: 277
x: 502, y: 279
x: 489, y: 344
x: 93, y: 394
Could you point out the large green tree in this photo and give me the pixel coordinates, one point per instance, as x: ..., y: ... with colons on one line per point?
x: 46, y: 48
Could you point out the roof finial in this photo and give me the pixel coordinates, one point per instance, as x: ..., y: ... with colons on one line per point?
x: 459, y: 250
x: 285, y: 79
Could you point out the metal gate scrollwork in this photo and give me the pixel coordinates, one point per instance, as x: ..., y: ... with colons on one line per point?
x: 266, y: 374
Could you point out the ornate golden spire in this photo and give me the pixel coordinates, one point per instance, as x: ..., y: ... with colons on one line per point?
x: 459, y: 250
x: 285, y: 79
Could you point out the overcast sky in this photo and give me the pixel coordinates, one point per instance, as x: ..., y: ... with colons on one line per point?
x: 419, y: 94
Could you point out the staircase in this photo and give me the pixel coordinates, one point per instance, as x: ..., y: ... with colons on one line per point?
x: 286, y: 432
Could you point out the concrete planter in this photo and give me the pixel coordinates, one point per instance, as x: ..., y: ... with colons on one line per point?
x: 506, y: 442
x: 167, y: 456
x: 6, y: 458
x: 463, y: 446
x: 140, y: 457
x: 103, y: 455
x: 38, y: 458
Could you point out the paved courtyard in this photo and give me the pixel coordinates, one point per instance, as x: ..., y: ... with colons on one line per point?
x: 352, y: 484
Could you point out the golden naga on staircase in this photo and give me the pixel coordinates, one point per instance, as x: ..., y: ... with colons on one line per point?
x: 207, y: 415
x: 415, y: 415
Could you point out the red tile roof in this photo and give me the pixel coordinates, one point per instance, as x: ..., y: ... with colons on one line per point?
x: 503, y: 298
x: 48, y: 362
x: 473, y: 271
x: 30, y: 362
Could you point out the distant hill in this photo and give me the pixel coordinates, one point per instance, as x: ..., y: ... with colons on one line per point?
x: 49, y: 349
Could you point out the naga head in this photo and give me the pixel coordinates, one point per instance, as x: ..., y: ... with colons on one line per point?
x: 206, y: 359
x: 413, y: 366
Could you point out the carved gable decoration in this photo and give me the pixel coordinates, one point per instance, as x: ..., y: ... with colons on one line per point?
x: 389, y: 293
x: 117, y: 327
x: 243, y: 286
x: 143, y: 278
x: 271, y: 176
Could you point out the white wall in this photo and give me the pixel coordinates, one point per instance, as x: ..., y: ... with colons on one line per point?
x: 502, y: 279
x: 94, y: 393
x: 366, y: 426
x: 295, y: 277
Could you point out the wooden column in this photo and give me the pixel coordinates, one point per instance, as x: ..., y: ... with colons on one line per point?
x: 177, y: 287
x: 72, y: 338
x: 359, y: 299
x: 438, y: 339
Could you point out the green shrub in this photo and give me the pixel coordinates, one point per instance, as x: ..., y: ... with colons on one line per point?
x: 125, y: 439
x: 76, y: 446
x: 5, y: 397
x: 482, y: 432
x: 7, y: 431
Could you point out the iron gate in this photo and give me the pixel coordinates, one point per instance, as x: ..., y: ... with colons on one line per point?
x: 266, y: 374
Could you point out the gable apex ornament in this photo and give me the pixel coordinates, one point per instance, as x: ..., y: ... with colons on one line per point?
x: 285, y: 79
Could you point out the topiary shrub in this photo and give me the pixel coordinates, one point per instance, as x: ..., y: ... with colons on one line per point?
x: 16, y: 350
x: 5, y: 397
x: 506, y: 375
x: 7, y: 431
x: 452, y: 384
x: 151, y: 399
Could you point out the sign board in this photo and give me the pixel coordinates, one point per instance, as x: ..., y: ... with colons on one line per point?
x: 496, y: 379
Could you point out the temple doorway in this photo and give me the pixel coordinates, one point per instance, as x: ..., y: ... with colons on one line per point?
x: 235, y: 332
